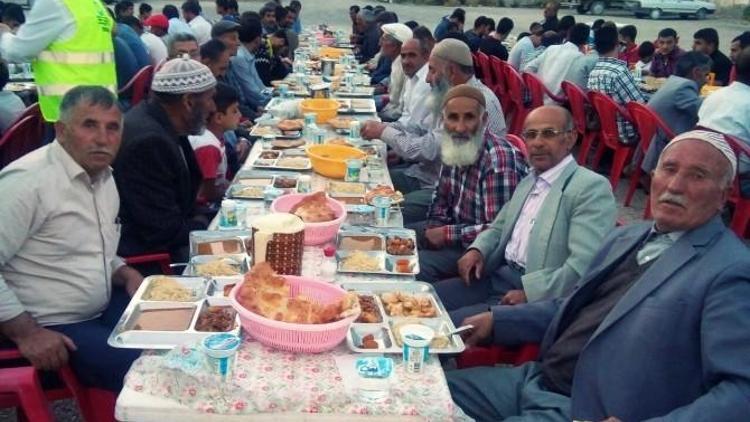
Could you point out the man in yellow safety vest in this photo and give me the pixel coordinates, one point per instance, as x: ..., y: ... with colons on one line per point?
x: 69, y: 43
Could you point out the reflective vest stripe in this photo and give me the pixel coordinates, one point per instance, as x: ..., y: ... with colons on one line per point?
x: 58, y: 90
x: 65, y: 57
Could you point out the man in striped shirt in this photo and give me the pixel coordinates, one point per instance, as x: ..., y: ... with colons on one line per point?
x: 480, y: 172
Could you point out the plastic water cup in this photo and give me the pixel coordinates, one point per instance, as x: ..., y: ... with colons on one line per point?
x: 319, y: 136
x: 354, y: 128
x: 416, y: 339
x: 373, y: 383
x: 353, y: 169
x: 310, y: 118
x: 382, y: 206
x: 220, y: 350
x: 304, y: 184
x: 228, y: 213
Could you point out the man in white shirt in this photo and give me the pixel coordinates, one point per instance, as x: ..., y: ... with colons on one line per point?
x: 553, y: 64
x: 727, y: 110
x: 526, y: 45
x: 61, y: 282
x: 191, y: 11
x: 414, y: 56
x: 544, y: 238
x: 176, y: 26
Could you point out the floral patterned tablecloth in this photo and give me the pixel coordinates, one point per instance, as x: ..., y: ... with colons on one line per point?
x: 266, y: 380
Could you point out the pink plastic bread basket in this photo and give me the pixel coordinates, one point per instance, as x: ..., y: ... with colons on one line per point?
x: 303, y: 338
x: 315, y: 233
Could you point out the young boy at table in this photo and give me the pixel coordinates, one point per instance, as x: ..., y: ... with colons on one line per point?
x: 646, y: 54
x: 209, y: 147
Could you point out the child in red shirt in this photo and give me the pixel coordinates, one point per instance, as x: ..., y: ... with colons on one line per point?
x: 209, y: 147
x: 629, y: 48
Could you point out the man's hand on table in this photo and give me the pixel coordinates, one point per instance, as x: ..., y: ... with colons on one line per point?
x: 393, y: 158
x: 513, y: 297
x: 435, y: 237
x: 127, y: 277
x: 47, y: 350
x: 482, y: 328
x: 470, y: 266
x: 372, y: 129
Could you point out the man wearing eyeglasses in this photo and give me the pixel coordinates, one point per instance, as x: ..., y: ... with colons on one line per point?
x: 544, y: 237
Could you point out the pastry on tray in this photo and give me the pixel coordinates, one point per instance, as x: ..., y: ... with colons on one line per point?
x: 339, y: 141
x: 289, y: 125
x: 314, y: 209
x: 268, y: 294
x: 384, y: 190
x: 340, y: 122
x: 287, y: 143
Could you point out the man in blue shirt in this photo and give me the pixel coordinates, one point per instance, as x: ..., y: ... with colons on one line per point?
x: 243, y: 75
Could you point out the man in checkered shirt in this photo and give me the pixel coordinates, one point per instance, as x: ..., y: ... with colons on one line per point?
x: 479, y: 175
x: 612, y: 77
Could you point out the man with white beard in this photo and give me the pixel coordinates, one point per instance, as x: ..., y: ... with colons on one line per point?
x: 450, y: 64
x: 544, y: 237
x: 480, y: 172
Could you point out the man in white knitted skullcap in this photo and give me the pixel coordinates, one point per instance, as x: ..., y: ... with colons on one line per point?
x: 156, y: 171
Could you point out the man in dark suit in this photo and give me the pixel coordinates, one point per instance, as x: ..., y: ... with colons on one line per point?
x: 655, y: 329
x: 156, y: 171
x: 677, y: 102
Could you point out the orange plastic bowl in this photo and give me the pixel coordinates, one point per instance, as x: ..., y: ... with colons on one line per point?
x: 330, y: 159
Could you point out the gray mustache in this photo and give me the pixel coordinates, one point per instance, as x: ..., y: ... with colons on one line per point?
x: 675, y: 199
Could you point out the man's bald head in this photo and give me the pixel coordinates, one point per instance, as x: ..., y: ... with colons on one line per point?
x: 548, y: 133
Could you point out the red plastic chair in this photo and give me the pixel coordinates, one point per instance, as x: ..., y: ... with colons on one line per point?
x: 519, y: 144
x: 609, y: 136
x: 539, y: 90
x: 96, y: 405
x: 20, y: 387
x: 579, y: 103
x: 137, y: 88
x: 647, y: 123
x: 741, y: 215
x: 483, y: 61
x: 497, y: 67
x: 516, y: 112
x: 477, y: 66
x: 24, y: 136
x: 492, y: 355
x: 161, y: 258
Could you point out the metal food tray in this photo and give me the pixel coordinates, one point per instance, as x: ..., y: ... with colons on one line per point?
x: 124, y: 335
x: 357, y: 92
x: 356, y: 105
x: 387, y: 261
x: 239, y: 259
x: 235, y: 190
x: 258, y: 131
x: 268, y: 163
x: 382, y: 330
x: 198, y: 237
x: 332, y: 187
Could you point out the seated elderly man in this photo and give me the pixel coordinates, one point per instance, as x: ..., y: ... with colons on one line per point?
x: 408, y: 87
x: 62, y: 287
x: 480, y: 172
x: 156, y: 171
x: 545, y: 237
x: 450, y: 64
x: 656, y: 328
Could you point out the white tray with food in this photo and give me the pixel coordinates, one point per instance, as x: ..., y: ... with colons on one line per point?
x: 254, y: 187
x: 356, y: 106
x: 167, y: 311
x: 283, y: 129
x: 377, y: 250
x: 386, y: 307
x: 281, y: 160
x: 355, y: 92
x: 214, y: 242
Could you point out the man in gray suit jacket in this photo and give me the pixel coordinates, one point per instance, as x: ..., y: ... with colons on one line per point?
x: 677, y: 102
x: 544, y: 238
x: 657, y: 328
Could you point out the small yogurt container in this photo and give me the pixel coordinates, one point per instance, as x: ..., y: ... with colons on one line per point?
x: 228, y: 214
x: 416, y: 339
x: 220, y: 350
x: 353, y: 170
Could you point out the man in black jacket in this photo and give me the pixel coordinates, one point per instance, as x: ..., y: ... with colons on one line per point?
x: 156, y: 171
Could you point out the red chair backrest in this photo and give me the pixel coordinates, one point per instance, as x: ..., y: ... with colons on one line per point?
x: 24, y: 136
x: 607, y: 110
x: 139, y: 86
x: 519, y: 144
x: 514, y: 95
x: 500, y: 88
x: 477, y: 66
x: 484, y: 65
x: 577, y: 99
x: 647, y: 122
x: 535, y: 87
